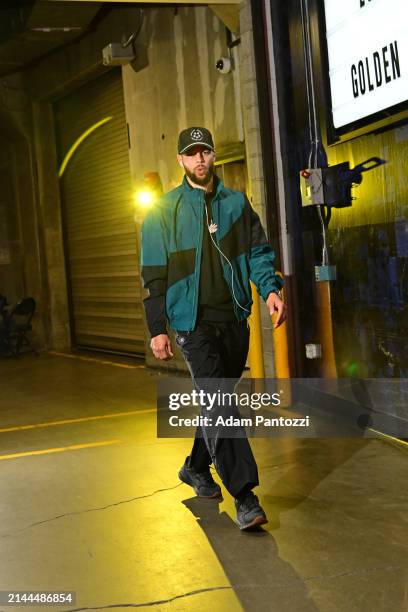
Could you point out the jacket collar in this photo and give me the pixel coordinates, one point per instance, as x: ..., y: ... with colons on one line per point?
x: 188, y: 189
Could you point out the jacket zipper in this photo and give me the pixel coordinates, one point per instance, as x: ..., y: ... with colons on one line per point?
x: 198, y: 262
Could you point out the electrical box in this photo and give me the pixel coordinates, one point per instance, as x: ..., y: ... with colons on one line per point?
x: 116, y: 55
x: 326, y: 186
x: 325, y: 273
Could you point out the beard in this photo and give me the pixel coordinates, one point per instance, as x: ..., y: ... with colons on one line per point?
x: 202, y: 181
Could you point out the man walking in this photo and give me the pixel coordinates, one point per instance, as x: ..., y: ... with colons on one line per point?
x: 201, y: 245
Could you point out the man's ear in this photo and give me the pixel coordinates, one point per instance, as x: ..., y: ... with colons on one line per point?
x: 180, y: 161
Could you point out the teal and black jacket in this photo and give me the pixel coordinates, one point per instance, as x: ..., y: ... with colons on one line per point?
x: 172, y: 239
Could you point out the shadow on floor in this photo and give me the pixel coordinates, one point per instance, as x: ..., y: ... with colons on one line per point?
x: 261, y: 580
x: 308, y: 462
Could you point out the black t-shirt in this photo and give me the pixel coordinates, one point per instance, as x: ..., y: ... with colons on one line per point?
x: 215, y: 300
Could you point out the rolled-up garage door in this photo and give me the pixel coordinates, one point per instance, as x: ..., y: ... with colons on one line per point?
x: 100, y: 233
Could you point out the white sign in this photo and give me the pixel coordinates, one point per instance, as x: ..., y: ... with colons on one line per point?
x: 368, y: 56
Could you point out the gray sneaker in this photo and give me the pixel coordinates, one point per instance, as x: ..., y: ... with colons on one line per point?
x: 202, y: 482
x: 249, y: 512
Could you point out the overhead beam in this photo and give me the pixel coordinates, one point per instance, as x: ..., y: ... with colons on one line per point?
x: 200, y: 2
x: 228, y: 14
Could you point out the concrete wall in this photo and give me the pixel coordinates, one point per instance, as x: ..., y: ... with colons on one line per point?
x: 178, y: 87
x: 11, y: 276
x: 253, y: 146
x: 21, y: 276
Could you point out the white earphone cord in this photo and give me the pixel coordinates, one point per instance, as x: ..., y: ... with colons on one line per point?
x: 225, y: 257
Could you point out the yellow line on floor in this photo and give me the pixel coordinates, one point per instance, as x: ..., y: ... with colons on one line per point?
x: 60, y: 449
x: 77, y: 420
x: 388, y: 437
x: 105, y: 362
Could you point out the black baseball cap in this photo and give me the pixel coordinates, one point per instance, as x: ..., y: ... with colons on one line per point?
x: 194, y: 136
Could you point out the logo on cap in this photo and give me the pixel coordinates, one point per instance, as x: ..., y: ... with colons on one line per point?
x: 192, y: 136
x: 196, y: 134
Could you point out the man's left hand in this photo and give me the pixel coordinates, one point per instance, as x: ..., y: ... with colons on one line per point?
x: 275, y: 304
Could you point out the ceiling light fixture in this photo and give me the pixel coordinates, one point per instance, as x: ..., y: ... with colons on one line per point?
x: 60, y: 29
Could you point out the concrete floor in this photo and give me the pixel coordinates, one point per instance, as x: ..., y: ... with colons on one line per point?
x: 103, y: 514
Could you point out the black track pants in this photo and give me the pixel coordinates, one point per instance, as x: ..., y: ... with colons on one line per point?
x: 219, y: 351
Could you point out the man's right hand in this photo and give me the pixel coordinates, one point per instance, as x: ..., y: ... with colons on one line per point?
x: 161, y: 347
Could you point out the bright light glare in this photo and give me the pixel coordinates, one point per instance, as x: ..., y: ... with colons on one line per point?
x: 144, y: 198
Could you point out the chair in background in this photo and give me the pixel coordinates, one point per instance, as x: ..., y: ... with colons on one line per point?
x: 3, y: 325
x: 3, y: 304
x: 16, y: 326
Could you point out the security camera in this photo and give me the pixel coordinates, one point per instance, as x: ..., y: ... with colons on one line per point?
x: 224, y: 65
x: 116, y: 55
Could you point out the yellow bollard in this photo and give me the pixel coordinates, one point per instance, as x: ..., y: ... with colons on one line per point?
x: 281, y: 350
x: 256, y: 362
x: 280, y: 341
x: 325, y: 329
